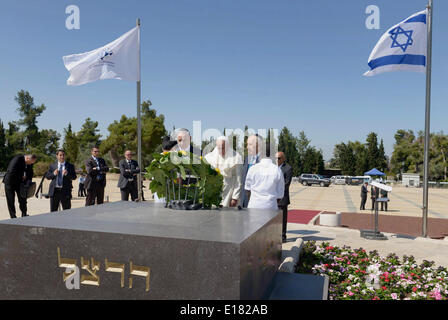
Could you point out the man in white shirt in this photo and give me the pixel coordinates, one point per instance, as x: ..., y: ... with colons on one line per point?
x: 255, y: 149
x: 266, y: 185
x: 229, y: 164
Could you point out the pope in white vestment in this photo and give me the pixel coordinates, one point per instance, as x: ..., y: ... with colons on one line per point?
x: 229, y: 163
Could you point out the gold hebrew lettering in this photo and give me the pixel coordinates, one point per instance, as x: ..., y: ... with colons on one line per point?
x: 116, y: 267
x: 93, y: 279
x: 66, y: 263
x: 141, y: 271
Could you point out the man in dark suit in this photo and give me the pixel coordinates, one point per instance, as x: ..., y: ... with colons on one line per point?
x: 364, y: 192
x: 373, y: 196
x: 383, y: 194
x: 61, y: 174
x: 20, y: 169
x: 254, y: 152
x: 283, y: 203
x: 96, y: 178
x: 127, y: 182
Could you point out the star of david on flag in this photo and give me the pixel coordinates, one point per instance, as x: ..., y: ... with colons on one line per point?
x: 402, y: 47
x: 394, y: 33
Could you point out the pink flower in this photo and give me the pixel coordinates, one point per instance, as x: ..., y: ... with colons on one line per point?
x: 436, y: 294
x: 350, y: 293
x: 394, y: 296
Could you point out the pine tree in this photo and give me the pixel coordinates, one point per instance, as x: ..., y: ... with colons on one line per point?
x: 29, y: 113
x: 382, y: 159
x: 372, y: 150
x: 287, y: 143
x: 71, y: 145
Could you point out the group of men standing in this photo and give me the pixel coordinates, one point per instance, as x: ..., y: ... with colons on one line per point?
x: 252, y: 182
x: 62, y: 174
x: 374, y: 194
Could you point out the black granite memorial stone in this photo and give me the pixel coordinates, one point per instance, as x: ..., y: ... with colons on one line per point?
x: 128, y: 250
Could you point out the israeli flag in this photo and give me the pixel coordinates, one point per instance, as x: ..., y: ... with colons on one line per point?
x: 402, y: 47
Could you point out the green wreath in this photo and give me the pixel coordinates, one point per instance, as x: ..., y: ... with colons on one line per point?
x: 166, y: 169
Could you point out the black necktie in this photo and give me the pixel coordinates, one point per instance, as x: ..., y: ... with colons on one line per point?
x: 60, y: 176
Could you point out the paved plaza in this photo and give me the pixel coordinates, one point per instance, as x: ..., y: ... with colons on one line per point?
x: 343, y: 198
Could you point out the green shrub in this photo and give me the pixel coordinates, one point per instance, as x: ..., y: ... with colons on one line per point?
x: 40, y: 168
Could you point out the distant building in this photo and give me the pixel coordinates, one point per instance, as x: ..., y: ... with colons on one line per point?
x: 410, y: 180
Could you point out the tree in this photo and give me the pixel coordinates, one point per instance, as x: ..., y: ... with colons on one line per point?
x: 382, y: 158
x: 29, y: 113
x: 360, y: 154
x: 303, y: 143
x: 123, y: 135
x: 88, y: 136
x: 372, y: 150
x: 71, y: 144
x: 313, y: 161
x: 344, y: 158
x: 47, y: 145
x: 287, y: 143
x: 14, y: 139
x: 438, y: 155
x: 404, y: 143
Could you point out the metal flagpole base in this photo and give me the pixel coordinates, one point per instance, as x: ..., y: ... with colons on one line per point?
x: 373, y: 235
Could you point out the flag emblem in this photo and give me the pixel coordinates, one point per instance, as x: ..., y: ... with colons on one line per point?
x: 398, y: 34
x: 105, y: 54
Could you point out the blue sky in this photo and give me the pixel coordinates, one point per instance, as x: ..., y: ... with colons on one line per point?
x: 228, y: 63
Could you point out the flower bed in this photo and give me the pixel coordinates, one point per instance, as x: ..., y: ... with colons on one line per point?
x: 358, y: 275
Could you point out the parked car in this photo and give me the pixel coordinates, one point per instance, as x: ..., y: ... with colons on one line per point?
x: 308, y: 179
x: 355, y: 181
x: 339, y: 179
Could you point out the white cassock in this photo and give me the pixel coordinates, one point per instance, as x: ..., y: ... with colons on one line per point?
x: 266, y: 184
x: 230, y: 168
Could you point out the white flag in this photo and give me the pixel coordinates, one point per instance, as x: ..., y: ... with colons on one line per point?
x: 402, y: 47
x: 116, y: 60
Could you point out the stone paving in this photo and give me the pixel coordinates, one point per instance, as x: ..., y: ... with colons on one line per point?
x: 343, y: 198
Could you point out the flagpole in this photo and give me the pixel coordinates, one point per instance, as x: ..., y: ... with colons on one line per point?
x: 427, y: 119
x: 139, y: 125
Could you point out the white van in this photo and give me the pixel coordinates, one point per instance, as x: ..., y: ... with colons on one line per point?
x: 339, y: 179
